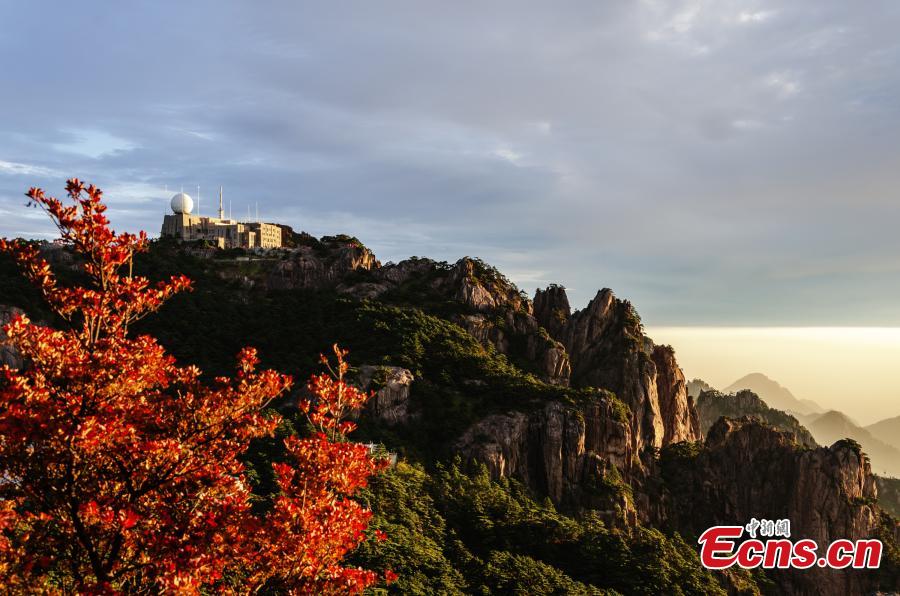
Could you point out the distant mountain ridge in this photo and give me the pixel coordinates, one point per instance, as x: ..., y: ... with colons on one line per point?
x: 834, y: 425
x: 774, y: 394
x: 783, y: 410
x: 887, y: 431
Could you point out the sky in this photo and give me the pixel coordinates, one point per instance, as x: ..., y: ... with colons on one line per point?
x: 717, y: 163
x: 849, y: 369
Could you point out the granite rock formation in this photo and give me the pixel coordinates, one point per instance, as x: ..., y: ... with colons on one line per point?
x: 608, y: 349
x: 391, y: 385
x: 569, y: 453
x: 747, y: 469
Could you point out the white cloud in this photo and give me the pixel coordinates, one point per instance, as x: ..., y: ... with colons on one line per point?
x: 746, y: 124
x: 755, y: 17
x: 679, y: 28
x: 93, y: 143
x: 783, y: 83
x: 23, y: 169
x: 509, y: 155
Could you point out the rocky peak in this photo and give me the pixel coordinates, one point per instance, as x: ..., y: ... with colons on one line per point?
x: 570, y: 453
x: 551, y: 308
x: 607, y: 349
x: 712, y: 405
x: 482, y: 287
x: 398, y: 273
x: 748, y: 469
x: 391, y: 386
x: 680, y: 419
x: 323, y: 264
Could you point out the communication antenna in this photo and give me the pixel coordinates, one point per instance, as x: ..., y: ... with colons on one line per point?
x: 221, y: 211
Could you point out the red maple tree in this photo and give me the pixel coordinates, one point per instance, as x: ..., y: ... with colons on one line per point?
x: 121, y: 471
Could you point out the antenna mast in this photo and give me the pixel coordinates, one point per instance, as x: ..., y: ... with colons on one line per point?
x: 221, y: 210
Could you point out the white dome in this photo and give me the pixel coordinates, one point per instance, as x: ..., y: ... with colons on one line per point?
x: 182, y: 203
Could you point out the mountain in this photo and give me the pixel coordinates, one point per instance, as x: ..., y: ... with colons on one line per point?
x: 539, y: 448
x: 823, y: 491
x: 887, y: 431
x: 697, y: 386
x: 833, y: 426
x: 774, y: 394
x: 712, y: 405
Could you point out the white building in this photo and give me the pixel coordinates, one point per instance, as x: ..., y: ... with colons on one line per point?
x: 220, y: 231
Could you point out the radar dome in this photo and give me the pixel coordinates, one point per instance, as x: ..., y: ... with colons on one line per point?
x: 182, y: 203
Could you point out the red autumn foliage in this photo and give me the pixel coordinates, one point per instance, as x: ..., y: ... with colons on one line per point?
x: 120, y: 471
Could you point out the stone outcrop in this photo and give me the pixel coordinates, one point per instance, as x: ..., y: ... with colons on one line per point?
x: 607, y: 349
x: 680, y: 419
x: 551, y: 309
x: 391, y: 385
x: 483, y: 288
x: 602, y: 346
x: 315, y: 267
x: 571, y: 453
x: 747, y: 469
x: 712, y: 405
x: 547, y: 356
x: 492, y: 310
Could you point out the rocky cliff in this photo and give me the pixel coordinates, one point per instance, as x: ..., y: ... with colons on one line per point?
x: 608, y: 349
x: 571, y: 453
x: 391, y: 387
x: 326, y: 263
x: 747, y: 469
x: 712, y: 405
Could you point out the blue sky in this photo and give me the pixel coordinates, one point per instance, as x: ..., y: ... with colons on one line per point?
x: 718, y: 163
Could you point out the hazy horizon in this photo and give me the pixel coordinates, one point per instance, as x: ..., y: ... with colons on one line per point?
x: 840, y: 368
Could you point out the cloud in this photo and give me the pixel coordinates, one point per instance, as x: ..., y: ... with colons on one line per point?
x: 91, y: 143
x: 705, y: 159
x: 24, y: 169
x: 509, y: 155
x: 784, y: 84
x: 758, y: 16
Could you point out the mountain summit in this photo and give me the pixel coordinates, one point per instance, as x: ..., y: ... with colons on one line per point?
x: 774, y: 394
